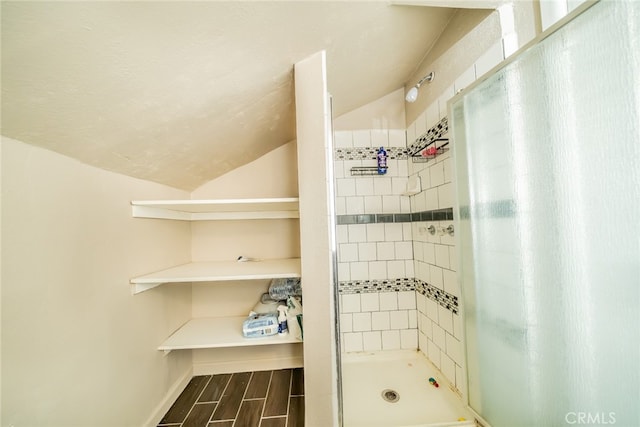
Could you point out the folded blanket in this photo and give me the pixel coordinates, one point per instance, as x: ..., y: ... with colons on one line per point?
x: 280, y: 289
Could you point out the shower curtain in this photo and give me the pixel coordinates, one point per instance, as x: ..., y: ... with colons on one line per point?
x: 547, y: 153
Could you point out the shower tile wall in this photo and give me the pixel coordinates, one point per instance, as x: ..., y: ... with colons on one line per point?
x: 440, y: 328
x: 375, y: 254
x: 552, y: 11
x: 440, y: 335
x: 398, y: 285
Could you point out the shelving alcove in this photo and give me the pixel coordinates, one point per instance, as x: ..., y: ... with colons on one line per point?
x: 217, y: 332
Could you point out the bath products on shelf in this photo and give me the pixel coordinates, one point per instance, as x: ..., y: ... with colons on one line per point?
x: 260, y: 325
x: 429, y: 152
x: 382, y: 161
x: 280, y: 289
x: 267, y: 304
x: 282, y: 320
x: 294, y: 317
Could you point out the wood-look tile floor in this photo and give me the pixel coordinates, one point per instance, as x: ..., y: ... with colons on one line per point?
x: 246, y: 399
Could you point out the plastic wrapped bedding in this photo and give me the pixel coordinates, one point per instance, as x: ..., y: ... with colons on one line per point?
x: 280, y: 289
x: 260, y: 325
x: 267, y: 304
x: 294, y: 317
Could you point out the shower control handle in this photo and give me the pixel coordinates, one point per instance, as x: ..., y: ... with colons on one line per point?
x: 450, y: 230
x: 441, y: 230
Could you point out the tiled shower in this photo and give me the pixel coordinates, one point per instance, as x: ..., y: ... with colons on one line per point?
x: 397, y: 278
x: 397, y: 282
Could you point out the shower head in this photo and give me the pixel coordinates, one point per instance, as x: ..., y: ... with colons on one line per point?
x: 412, y: 95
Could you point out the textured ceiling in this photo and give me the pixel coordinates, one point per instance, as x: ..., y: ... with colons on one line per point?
x: 182, y: 92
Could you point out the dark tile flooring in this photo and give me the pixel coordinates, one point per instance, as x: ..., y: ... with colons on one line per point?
x: 246, y: 399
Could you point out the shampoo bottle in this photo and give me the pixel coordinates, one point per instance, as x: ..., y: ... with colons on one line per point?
x: 282, y: 320
x: 382, y: 161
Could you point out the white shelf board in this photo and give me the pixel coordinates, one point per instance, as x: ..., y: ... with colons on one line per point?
x: 217, y: 209
x: 217, y: 332
x: 216, y: 271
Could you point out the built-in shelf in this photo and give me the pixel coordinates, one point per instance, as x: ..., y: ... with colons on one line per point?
x: 219, y: 209
x: 216, y: 271
x: 368, y: 170
x: 429, y: 150
x: 217, y: 332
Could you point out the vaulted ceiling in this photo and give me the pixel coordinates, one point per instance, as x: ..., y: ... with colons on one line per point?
x: 182, y: 92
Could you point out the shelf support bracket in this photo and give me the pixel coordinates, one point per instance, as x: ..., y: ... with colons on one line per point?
x: 136, y: 288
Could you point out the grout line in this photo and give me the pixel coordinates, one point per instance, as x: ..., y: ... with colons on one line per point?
x: 203, y: 388
x: 265, y: 397
x: 243, y: 395
x: 226, y: 386
x: 289, y: 395
x: 193, y: 405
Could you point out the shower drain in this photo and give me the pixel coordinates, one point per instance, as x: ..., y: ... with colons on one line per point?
x: 391, y: 396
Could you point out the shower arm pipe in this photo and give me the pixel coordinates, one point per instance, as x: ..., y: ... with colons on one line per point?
x: 428, y: 78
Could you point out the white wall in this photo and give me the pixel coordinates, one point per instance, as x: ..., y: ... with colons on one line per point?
x: 272, y: 175
x: 384, y: 113
x: 78, y: 348
x: 313, y: 133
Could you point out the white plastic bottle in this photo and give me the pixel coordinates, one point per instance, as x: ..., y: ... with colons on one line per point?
x: 282, y: 320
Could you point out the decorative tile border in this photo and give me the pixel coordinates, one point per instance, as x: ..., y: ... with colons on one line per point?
x: 369, y: 153
x: 372, y: 218
x: 394, y: 153
x: 385, y: 285
x: 445, y: 299
x: 437, y: 131
x: 434, y: 215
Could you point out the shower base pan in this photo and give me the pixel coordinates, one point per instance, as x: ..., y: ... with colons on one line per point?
x: 392, y: 389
